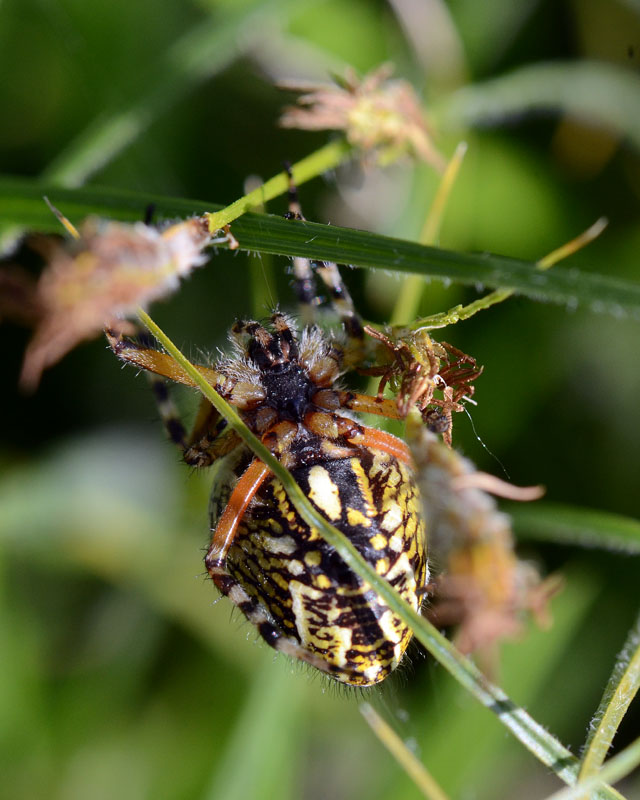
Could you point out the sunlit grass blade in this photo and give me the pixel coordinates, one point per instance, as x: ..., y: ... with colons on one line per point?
x: 530, y: 733
x: 614, y: 770
x: 602, y: 93
x: 565, y: 524
x: 322, y: 160
x: 414, y: 768
x: 621, y: 689
x: 20, y: 202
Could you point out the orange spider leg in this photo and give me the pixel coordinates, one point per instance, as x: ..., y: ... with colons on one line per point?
x: 159, y: 363
x: 382, y: 406
x: 225, y: 532
x: 332, y: 427
x: 380, y: 440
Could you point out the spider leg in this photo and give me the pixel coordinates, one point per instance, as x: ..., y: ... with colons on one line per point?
x: 225, y: 532
x: 328, y: 272
x: 208, y: 439
x: 241, y: 393
x: 160, y: 363
x: 331, y: 400
x: 334, y: 427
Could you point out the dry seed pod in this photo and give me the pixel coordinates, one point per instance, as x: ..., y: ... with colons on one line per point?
x: 100, y: 278
x: 483, y: 588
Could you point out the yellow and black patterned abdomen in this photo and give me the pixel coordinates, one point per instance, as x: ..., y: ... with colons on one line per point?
x: 303, y: 584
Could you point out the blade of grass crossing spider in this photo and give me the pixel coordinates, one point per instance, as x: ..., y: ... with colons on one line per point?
x: 413, y: 768
x: 554, y: 522
x: 408, y: 300
x: 532, y: 735
x: 21, y: 202
x: 614, y: 770
x: 621, y: 689
x: 256, y: 763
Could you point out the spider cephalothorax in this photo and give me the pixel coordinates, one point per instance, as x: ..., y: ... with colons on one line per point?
x: 285, y: 376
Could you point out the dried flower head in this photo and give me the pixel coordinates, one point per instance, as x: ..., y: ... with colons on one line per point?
x: 100, y: 278
x: 483, y: 588
x: 379, y: 116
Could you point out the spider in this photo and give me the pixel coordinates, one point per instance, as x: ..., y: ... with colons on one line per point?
x: 287, y: 581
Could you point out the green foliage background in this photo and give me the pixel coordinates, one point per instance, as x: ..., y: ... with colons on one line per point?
x: 119, y: 676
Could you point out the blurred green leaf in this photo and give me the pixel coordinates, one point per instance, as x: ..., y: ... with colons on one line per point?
x: 20, y: 203
x: 108, y: 505
x: 600, y: 93
x: 200, y: 53
x: 257, y: 763
x: 563, y: 524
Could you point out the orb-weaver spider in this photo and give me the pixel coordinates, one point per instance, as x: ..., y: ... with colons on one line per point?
x: 286, y: 580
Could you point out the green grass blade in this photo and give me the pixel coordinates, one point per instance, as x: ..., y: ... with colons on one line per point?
x: 614, y: 770
x: 21, y: 203
x: 531, y: 734
x: 566, y: 524
x: 605, y: 94
x: 322, y: 160
x: 622, y: 687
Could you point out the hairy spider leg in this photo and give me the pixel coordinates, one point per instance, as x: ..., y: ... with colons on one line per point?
x: 208, y: 438
x: 153, y: 360
x: 267, y: 349
x: 305, y: 289
x: 224, y: 534
x: 333, y: 426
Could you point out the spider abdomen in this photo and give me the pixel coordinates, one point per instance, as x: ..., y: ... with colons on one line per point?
x: 303, y: 584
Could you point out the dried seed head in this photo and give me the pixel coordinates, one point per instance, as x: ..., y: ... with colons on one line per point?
x: 379, y: 116
x: 483, y: 588
x: 100, y: 278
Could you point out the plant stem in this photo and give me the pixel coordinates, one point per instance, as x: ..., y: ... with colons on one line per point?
x: 320, y: 161
x: 622, y: 687
x: 410, y: 294
x: 614, y: 770
x: 414, y: 768
x: 460, y: 313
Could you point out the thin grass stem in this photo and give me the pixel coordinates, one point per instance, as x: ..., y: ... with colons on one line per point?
x: 414, y: 768
x: 622, y: 687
